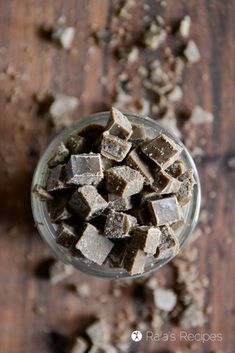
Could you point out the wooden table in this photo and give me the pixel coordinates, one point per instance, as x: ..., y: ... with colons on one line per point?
x: 37, y: 66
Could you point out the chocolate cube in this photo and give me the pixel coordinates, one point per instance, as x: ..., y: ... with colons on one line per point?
x: 146, y: 238
x: 41, y: 193
x: 55, y: 180
x: 60, y: 156
x: 114, y: 148
x: 165, y: 211
x: 75, y: 143
x: 87, y: 202
x: 134, y: 161
x: 185, y: 191
x: 162, y: 150
x: 118, y: 225
x: 118, y: 125
x: 84, y: 169
x: 139, y: 132
x: 92, y: 245
x: 134, y: 260
x: 119, y: 203
x: 164, y: 183
x: 169, y: 245
x: 65, y: 236
x: 123, y: 181
x: 176, y: 169
x: 58, y: 208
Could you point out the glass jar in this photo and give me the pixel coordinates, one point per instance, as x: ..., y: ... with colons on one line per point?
x: 47, y: 229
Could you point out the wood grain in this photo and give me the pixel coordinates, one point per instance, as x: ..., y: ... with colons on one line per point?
x: 40, y: 66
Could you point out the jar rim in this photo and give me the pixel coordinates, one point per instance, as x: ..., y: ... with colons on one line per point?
x: 47, y: 230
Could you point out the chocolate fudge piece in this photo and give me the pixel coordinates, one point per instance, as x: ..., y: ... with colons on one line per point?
x: 65, y: 236
x: 98, y: 332
x: 123, y: 181
x: 118, y: 125
x: 146, y: 195
x: 118, y: 224
x: 94, y: 246
x: 84, y: 169
x: 139, y: 132
x: 134, y: 260
x: 169, y: 246
x: 164, y: 183
x: 40, y: 192
x: 107, y: 163
x: 176, y: 169
x: 114, y: 148
x: 165, y: 211
x: 93, y: 135
x: 134, y: 161
x: 146, y: 238
x: 55, y: 180
x: 185, y: 192
x: 60, y: 156
x: 79, y: 346
x: 116, y: 255
x: 75, y: 143
x: 87, y: 202
x: 119, y: 203
x: 161, y: 150
x: 58, y: 209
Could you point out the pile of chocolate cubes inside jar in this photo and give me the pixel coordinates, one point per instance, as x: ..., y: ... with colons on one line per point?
x: 116, y: 194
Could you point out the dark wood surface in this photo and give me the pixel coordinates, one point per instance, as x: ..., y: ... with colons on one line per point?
x: 39, y: 66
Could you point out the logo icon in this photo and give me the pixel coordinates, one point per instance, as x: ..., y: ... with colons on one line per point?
x: 136, y: 336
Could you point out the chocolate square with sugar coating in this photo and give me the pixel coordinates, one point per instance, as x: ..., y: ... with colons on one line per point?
x: 185, y: 191
x: 55, y: 180
x: 75, y: 143
x: 176, y: 169
x: 119, y: 203
x: 134, y: 260
x: 161, y: 150
x: 84, y: 169
x: 118, y: 224
x: 87, y: 202
x: 169, y: 245
x: 165, y: 211
x: 135, y: 161
x: 146, y: 238
x: 92, y: 245
x: 123, y: 181
x: 118, y: 125
x: 65, y: 236
x: 60, y: 155
x: 114, y: 148
x: 164, y: 183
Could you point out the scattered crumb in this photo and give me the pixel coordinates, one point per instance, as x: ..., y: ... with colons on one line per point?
x: 165, y: 299
x: 59, y: 271
x: 64, y: 36
x: 62, y: 106
x: 192, y: 53
x: 184, y: 27
x: 201, y: 116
